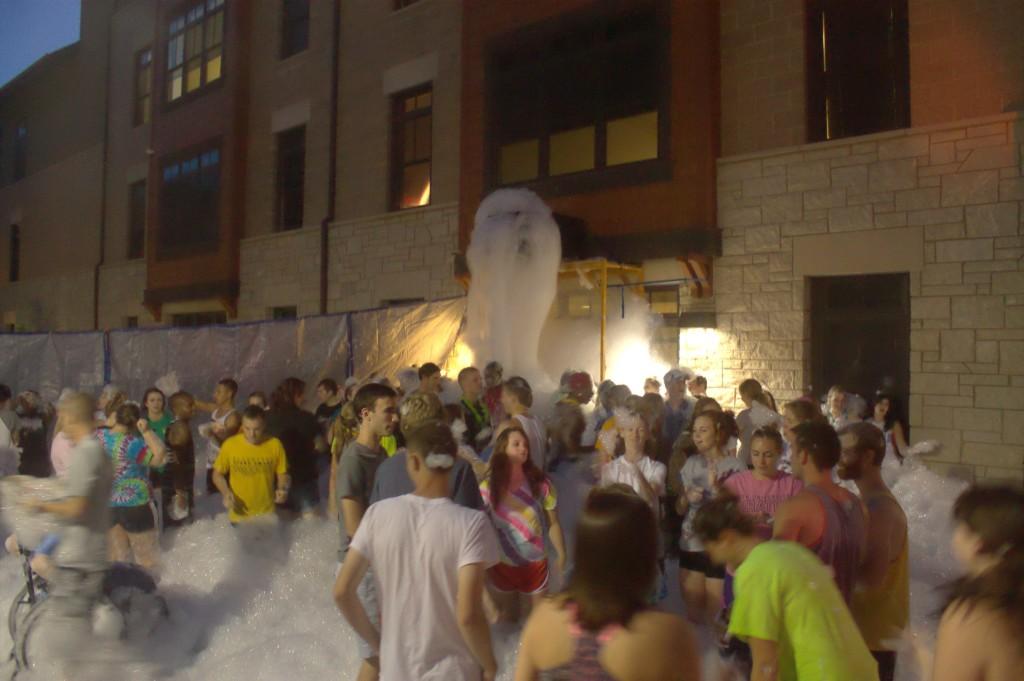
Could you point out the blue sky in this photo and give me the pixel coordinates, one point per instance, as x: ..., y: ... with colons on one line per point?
x: 31, y: 28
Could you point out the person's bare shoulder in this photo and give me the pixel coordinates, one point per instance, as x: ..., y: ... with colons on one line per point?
x: 659, y: 646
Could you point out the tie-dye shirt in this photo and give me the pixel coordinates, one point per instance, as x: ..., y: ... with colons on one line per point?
x: 520, y: 521
x: 130, y: 457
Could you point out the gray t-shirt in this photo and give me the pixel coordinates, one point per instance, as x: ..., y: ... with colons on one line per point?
x: 83, y: 543
x: 392, y: 481
x: 694, y: 476
x: 357, y: 469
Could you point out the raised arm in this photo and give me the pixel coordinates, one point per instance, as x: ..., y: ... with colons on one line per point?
x: 157, y: 448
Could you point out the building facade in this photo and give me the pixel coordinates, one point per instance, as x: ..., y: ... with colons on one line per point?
x: 816, y: 192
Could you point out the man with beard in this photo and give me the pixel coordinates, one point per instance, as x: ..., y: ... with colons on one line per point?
x: 881, y: 595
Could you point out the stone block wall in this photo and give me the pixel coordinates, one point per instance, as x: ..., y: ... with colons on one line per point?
x: 56, y: 302
x: 121, y: 288
x: 944, y: 203
x: 400, y: 255
x: 280, y: 270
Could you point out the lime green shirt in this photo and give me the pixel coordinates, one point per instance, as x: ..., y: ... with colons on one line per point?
x: 785, y: 594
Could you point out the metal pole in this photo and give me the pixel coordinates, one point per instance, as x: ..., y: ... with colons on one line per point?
x: 604, y: 311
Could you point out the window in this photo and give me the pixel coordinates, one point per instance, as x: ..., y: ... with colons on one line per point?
x: 14, y: 250
x: 399, y: 4
x: 290, y: 181
x: 189, y: 201
x: 195, y: 48
x: 20, y: 152
x: 131, y: 322
x: 284, y: 312
x: 412, y: 119
x: 577, y: 101
x: 137, y: 219
x: 198, y: 318
x: 858, y: 70
x: 294, y: 27
x: 143, y: 86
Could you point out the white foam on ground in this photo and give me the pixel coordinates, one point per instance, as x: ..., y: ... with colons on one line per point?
x: 261, y: 609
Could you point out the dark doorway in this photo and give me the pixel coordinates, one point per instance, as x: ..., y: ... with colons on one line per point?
x: 860, y: 334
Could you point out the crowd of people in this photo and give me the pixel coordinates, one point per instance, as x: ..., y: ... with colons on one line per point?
x: 790, y: 549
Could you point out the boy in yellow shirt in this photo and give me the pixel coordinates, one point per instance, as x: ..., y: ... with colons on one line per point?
x: 257, y: 468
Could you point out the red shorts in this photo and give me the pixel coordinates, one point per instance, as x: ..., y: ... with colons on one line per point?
x: 525, y: 579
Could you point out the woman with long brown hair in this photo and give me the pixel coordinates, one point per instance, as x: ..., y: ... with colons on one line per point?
x: 520, y: 500
x: 601, y: 627
x: 982, y: 622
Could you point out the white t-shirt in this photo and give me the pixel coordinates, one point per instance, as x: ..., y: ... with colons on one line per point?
x: 416, y: 547
x: 620, y: 470
x: 537, y: 435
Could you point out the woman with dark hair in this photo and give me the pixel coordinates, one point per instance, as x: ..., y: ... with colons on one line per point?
x: 760, y: 412
x: 601, y: 627
x: 302, y: 439
x: 982, y: 624
x: 886, y: 416
x: 793, y: 414
x: 700, y: 582
x: 520, y: 500
x: 154, y: 402
x: 133, y: 448
x: 34, y: 425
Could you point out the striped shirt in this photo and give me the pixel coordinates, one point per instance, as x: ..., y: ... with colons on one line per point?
x: 520, y: 521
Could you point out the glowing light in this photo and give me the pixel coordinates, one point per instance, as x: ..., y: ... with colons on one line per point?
x: 631, y: 362
x: 425, y: 196
x: 699, y: 343
x: 459, y: 358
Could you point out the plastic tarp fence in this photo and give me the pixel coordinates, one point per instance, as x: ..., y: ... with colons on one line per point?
x: 387, y: 340
x: 49, y: 362
x: 257, y: 355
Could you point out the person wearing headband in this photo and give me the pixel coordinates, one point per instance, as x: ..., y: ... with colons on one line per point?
x: 429, y: 557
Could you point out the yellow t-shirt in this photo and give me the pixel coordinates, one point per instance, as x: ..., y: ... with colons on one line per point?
x: 252, y: 470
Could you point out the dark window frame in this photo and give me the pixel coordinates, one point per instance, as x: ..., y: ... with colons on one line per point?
x: 402, y: 4
x: 14, y: 254
x: 288, y: 216
x: 20, y: 170
x: 537, y: 40
x: 137, y: 219
x: 167, y: 247
x: 142, y: 103
x: 195, y: 319
x: 283, y: 312
x: 177, y: 26
x: 295, y: 21
x: 827, y: 117
x: 399, y: 118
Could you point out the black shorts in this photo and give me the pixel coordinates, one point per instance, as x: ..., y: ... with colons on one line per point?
x: 698, y: 561
x: 133, y: 518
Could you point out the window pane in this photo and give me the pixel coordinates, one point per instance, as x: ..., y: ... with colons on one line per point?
x: 519, y: 161
x: 175, y: 51
x: 174, y: 83
x: 193, y: 77
x: 664, y: 301
x: 409, y: 141
x: 423, y: 100
x: 415, y: 185
x: 633, y: 139
x: 423, y: 136
x: 572, y: 151
x: 193, y: 41
x: 213, y: 64
x: 144, y: 110
x: 214, y: 29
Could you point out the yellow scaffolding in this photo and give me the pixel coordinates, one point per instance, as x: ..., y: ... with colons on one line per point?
x: 602, y: 267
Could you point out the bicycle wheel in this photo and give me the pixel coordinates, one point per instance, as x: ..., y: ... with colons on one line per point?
x: 17, y: 607
x: 27, y: 624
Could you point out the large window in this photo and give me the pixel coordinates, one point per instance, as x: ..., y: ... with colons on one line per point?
x: 137, y: 219
x: 195, y: 48
x: 198, y: 318
x: 143, y: 86
x: 14, y: 252
x: 294, y: 27
x: 858, y: 70
x: 190, y: 201
x: 577, y: 100
x: 20, y: 152
x: 290, y: 180
x: 411, y: 123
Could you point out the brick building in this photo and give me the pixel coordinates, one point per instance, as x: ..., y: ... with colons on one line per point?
x: 842, y: 180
